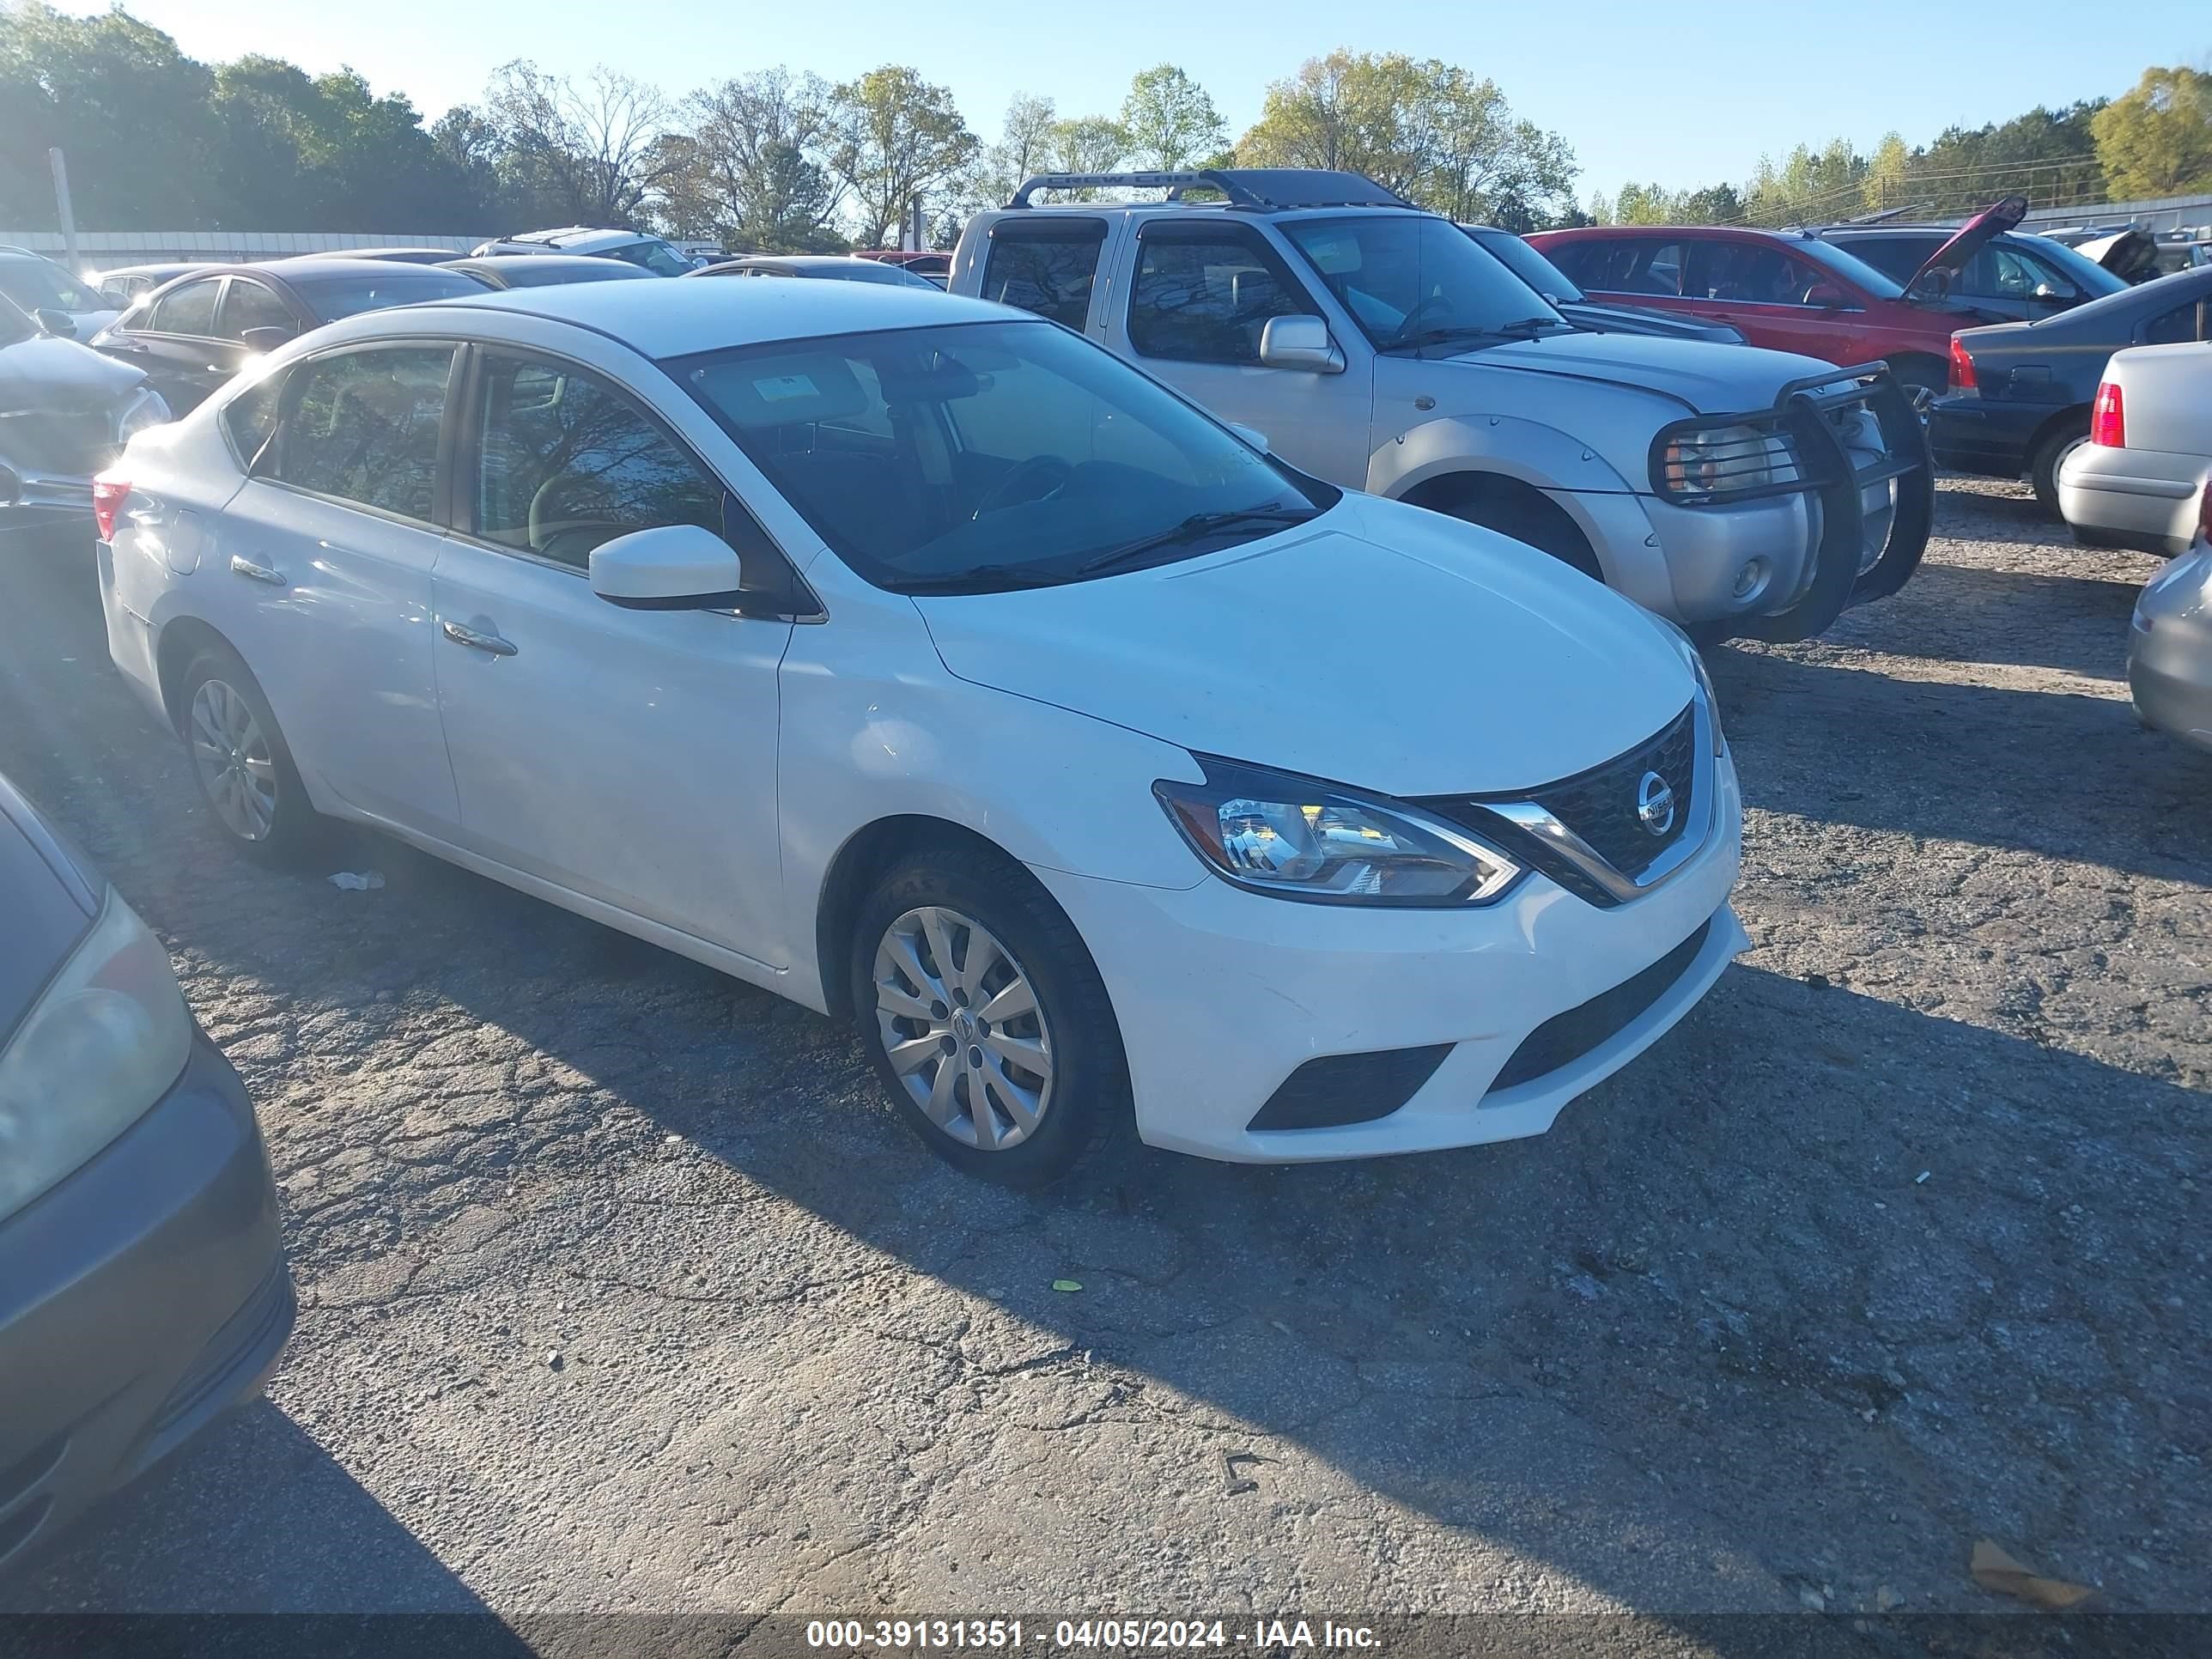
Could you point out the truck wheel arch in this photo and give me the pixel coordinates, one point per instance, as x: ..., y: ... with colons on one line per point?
x: 1512, y: 507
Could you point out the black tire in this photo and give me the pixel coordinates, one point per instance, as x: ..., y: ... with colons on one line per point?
x: 1087, y: 1102
x: 295, y: 830
x: 1919, y: 375
x: 2043, y: 465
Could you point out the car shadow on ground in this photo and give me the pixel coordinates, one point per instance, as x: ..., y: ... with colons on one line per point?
x: 258, y: 1489
x: 1971, y: 614
x: 2070, y: 776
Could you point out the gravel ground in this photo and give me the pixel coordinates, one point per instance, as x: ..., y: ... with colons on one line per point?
x: 622, y: 1291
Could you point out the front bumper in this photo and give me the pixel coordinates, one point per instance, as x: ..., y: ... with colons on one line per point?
x: 1221, y: 994
x: 1847, y: 528
x: 139, y: 1299
x: 2146, y: 497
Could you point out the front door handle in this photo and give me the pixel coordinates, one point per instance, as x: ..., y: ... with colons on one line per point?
x: 259, y: 573
x: 491, y: 644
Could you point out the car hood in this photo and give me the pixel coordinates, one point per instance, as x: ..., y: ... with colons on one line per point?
x: 1381, y: 646
x: 1707, y: 377
x: 1640, y: 320
x: 61, y: 376
x: 2129, y: 255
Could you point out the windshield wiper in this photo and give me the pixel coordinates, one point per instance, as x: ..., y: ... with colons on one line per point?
x: 1429, y: 337
x: 1197, y: 525
x: 1532, y: 324
x: 985, y: 577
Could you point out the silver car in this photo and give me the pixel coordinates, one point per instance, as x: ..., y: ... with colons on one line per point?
x: 2170, y: 644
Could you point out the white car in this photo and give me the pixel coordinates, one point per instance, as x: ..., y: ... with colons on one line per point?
x: 2137, y: 481
x: 921, y: 662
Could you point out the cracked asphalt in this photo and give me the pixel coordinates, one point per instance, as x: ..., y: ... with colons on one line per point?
x: 622, y: 1290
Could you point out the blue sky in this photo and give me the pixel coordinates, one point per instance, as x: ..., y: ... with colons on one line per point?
x: 1682, y: 94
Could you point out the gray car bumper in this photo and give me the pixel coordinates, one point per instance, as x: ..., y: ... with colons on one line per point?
x: 2170, y: 649
x: 139, y: 1299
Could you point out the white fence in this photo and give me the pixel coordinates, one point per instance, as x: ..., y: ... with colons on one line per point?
x: 104, y: 250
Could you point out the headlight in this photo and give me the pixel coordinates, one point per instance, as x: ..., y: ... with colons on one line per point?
x: 145, y: 409
x: 1298, y: 839
x: 105, y: 1040
x: 1722, y: 461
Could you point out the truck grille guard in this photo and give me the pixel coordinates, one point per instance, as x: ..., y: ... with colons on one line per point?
x: 1804, y: 414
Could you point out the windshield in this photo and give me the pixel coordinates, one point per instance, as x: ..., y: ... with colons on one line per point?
x: 1525, y: 262
x: 1849, y: 266
x: 333, y: 297
x: 1409, y: 279
x: 16, y: 324
x: 656, y: 255
x: 983, y: 456
x: 37, y: 284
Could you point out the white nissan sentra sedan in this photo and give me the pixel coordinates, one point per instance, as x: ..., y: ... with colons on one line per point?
x: 916, y: 658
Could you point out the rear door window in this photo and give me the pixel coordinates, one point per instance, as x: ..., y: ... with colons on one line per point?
x: 1045, y: 266
x: 363, y: 426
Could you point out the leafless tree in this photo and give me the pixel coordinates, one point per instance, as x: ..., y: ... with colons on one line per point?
x: 593, y: 146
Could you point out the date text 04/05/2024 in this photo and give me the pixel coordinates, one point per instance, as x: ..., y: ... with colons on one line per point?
x: 1260, y: 1635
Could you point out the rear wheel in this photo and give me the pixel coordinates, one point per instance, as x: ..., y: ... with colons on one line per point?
x: 241, y: 762
x: 2043, y: 465
x: 986, y: 1018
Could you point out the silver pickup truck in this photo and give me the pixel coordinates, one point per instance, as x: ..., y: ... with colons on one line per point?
x: 1742, y: 493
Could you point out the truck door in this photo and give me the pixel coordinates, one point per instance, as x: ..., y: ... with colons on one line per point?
x: 1198, y: 292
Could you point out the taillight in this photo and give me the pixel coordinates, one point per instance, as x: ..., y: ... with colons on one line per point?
x: 108, y: 495
x: 1962, y: 366
x: 2108, y: 417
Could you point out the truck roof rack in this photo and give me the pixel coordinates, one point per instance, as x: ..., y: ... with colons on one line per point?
x: 1260, y: 189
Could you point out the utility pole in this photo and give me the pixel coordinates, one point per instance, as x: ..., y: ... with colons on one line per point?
x: 60, y: 166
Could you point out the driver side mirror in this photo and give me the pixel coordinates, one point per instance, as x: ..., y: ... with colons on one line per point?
x: 1300, y: 342
x: 1250, y: 434
x: 1824, y: 295
x: 267, y: 338
x: 684, y: 567
x: 59, y: 324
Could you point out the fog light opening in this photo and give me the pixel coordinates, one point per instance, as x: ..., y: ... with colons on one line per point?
x: 1751, y: 580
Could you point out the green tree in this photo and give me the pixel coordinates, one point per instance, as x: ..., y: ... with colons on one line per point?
x: 2156, y: 139
x: 1887, y: 172
x: 746, y: 173
x: 1421, y: 127
x: 891, y: 135
x: 133, y: 114
x: 1169, y: 120
x: 1088, y: 144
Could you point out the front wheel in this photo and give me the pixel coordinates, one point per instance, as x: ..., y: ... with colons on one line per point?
x: 241, y: 762
x: 984, y: 1016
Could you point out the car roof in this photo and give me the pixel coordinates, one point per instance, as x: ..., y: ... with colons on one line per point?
x: 668, y: 318
x: 543, y: 261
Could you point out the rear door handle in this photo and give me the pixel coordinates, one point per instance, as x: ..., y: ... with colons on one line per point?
x: 259, y: 573
x: 490, y: 644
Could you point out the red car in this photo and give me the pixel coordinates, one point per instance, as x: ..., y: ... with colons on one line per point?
x: 1788, y: 290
